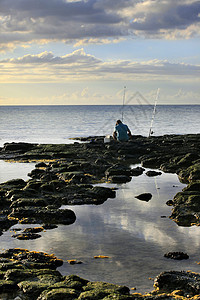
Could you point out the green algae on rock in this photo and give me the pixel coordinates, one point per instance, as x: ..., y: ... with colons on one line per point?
x: 31, y: 275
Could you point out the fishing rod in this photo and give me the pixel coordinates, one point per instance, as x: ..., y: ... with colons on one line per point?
x: 123, y: 102
x: 154, y: 112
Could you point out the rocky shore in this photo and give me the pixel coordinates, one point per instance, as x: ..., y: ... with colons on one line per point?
x: 66, y: 175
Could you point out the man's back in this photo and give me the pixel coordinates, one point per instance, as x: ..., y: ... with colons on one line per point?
x: 122, y: 132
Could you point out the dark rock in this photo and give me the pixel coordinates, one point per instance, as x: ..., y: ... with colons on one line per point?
x: 26, y: 236
x: 119, y: 179
x: 176, y: 255
x: 33, y: 230
x: 153, y: 173
x: 193, y: 186
x: 14, y: 183
x: 31, y: 259
x: 49, y: 226
x: 6, y: 223
x: 118, y: 170
x: 144, y: 197
x: 188, y: 282
x: 35, y: 202
x: 192, y: 173
x: 7, y: 285
x: 137, y: 171
x: 169, y: 202
x: 23, y: 147
x: 58, y: 294
x: 32, y: 275
x: 43, y: 215
x: 36, y: 173
x: 186, y: 211
x: 41, y: 165
x: 74, y: 262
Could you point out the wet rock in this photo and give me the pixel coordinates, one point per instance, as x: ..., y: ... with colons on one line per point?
x: 33, y: 230
x: 176, y: 255
x: 144, y: 197
x: 17, y: 258
x: 188, y: 282
x: 26, y: 236
x: 137, y: 171
x: 190, y: 174
x: 5, y: 222
x: 100, y: 290
x: 32, y: 275
x: 153, y: 173
x: 169, y: 202
x: 36, y: 173
x: 74, y: 262
x: 186, y: 210
x: 117, y: 170
x: 49, y: 226
x: 151, y: 162
x: 6, y: 286
x: 43, y: 215
x: 119, y: 179
x: 35, y: 202
x: 41, y: 165
x: 59, y: 293
x: 193, y: 186
x: 87, y: 194
x: 14, y: 183
x: 22, y: 147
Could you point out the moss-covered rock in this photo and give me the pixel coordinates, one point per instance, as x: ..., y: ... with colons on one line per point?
x: 187, y: 282
x: 58, y: 294
x: 190, y: 174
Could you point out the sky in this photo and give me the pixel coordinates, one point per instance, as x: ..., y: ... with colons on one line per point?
x: 77, y: 52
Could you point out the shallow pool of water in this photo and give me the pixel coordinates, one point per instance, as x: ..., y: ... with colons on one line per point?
x: 133, y: 233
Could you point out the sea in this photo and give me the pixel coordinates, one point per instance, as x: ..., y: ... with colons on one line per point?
x: 134, y: 234
x: 56, y: 124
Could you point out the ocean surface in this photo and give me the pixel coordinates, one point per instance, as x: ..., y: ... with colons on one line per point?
x: 56, y: 124
x: 134, y: 234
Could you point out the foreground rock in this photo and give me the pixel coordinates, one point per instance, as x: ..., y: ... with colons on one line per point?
x: 32, y: 275
x: 186, y: 284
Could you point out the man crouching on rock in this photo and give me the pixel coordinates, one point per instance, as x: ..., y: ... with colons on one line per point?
x: 122, y: 133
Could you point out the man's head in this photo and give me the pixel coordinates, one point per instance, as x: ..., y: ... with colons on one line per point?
x: 118, y: 122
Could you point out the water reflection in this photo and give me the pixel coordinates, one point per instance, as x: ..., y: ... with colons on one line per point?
x: 133, y: 233
x: 13, y: 170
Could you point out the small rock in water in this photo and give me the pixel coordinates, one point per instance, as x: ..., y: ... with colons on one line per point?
x: 144, y: 196
x: 153, y: 173
x: 137, y: 171
x: 176, y: 255
x: 74, y: 262
x: 169, y: 202
x: 26, y: 236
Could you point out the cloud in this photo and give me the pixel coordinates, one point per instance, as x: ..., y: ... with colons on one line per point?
x: 88, y: 95
x: 79, y: 65
x: 166, y: 17
x: 23, y: 21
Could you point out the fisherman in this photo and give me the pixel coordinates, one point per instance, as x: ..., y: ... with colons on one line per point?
x: 122, y: 133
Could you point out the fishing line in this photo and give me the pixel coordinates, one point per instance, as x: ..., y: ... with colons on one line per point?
x: 123, y: 103
x: 154, y: 112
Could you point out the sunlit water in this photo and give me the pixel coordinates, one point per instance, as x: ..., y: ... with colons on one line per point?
x: 133, y: 233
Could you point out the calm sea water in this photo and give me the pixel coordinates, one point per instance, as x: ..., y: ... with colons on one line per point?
x: 134, y: 234
x: 56, y: 124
